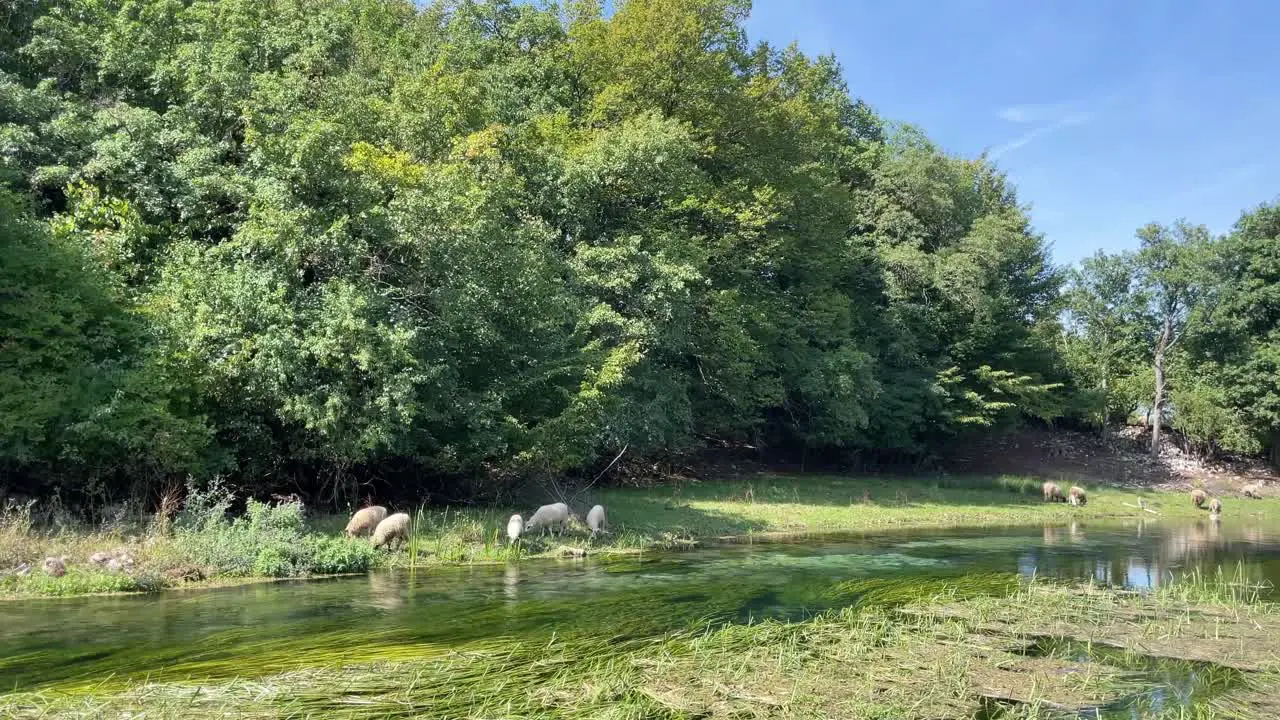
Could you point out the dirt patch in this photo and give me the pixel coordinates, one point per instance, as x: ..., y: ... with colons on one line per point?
x: 1120, y: 459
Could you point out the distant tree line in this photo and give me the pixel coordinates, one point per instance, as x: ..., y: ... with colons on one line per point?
x: 1187, y: 329
x: 312, y: 243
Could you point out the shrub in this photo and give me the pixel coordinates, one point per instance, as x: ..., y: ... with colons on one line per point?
x: 78, y: 581
x: 269, y: 540
x: 335, y: 555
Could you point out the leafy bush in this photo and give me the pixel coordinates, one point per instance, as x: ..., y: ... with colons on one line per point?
x: 269, y: 540
x: 335, y: 555
x: 78, y: 581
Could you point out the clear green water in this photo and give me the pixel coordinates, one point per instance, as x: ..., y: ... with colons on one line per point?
x: 262, y: 629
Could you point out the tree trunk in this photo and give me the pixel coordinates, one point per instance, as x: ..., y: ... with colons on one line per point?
x: 1157, y: 404
x: 1275, y: 447
x: 1106, y: 403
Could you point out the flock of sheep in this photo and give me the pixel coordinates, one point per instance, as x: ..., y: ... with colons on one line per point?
x: 387, y: 529
x: 1198, y: 498
x: 1076, y: 496
x: 1053, y: 493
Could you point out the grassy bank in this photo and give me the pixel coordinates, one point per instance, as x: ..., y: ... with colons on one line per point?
x: 1204, y: 648
x: 200, y: 545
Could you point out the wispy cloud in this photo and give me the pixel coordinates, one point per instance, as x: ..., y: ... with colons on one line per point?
x: 1063, y: 121
x: 1027, y: 114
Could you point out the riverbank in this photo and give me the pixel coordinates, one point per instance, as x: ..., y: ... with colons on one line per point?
x: 284, y: 543
x: 982, y: 647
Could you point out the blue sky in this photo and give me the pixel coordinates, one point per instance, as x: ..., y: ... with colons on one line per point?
x: 1107, y: 114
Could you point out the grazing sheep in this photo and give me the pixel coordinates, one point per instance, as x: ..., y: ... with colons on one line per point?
x: 1076, y: 496
x: 1252, y: 491
x: 364, y: 521
x: 1052, y: 493
x: 515, y: 527
x: 596, y: 520
x: 54, y: 567
x: 115, y: 561
x: 1215, y: 507
x: 395, y: 527
x: 1198, y: 497
x: 549, y: 516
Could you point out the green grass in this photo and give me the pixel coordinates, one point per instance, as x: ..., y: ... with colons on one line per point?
x: 278, y: 543
x: 674, y: 516
x: 946, y: 653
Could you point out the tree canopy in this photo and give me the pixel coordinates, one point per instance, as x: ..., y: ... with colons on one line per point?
x: 446, y: 246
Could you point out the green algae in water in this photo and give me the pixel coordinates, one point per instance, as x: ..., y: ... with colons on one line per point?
x: 258, y: 631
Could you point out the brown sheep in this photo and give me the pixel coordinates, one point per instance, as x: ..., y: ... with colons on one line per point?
x: 1052, y: 493
x: 364, y: 521
x: 55, y: 567
x: 1076, y: 496
x: 1198, y: 497
x: 395, y: 527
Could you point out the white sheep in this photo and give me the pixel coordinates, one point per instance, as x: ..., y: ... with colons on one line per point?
x: 364, y: 521
x: 549, y: 516
x: 515, y: 526
x: 1076, y: 496
x: 596, y: 521
x: 395, y: 527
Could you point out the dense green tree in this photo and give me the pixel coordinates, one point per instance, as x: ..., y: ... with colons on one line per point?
x: 1170, y: 265
x: 1107, y: 338
x: 81, y: 399
x: 1237, y: 353
x: 362, y: 240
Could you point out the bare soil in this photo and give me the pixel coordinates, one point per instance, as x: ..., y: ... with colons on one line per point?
x: 1119, y: 458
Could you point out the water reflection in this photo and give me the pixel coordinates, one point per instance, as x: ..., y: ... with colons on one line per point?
x: 1145, y: 559
x: 207, y: 634
x: 386, y: 592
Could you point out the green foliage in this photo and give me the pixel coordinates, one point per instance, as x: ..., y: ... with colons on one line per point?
x: 268, y: 540
x: 1190, y: 318
x: 78, y: 581
x: 488, y: 240
x: 80, y: 395
x: 1108, y: 335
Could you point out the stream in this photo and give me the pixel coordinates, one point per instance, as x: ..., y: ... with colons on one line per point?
x: 268, y: 628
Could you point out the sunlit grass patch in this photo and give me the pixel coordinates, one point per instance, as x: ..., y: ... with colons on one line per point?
x: 282, y: 540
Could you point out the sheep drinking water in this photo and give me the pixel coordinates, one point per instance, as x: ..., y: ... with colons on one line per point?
x: 596, y: 520
x: 515, y: 526
x: 1076, y: 496
x: 1215, y: 507
x: 395, y: 527
x: 1198, y: 497
x: 364, y: 521
x: 549, y: 516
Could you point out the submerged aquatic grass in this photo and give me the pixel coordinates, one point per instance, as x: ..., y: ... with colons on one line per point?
x: 952, y: 654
